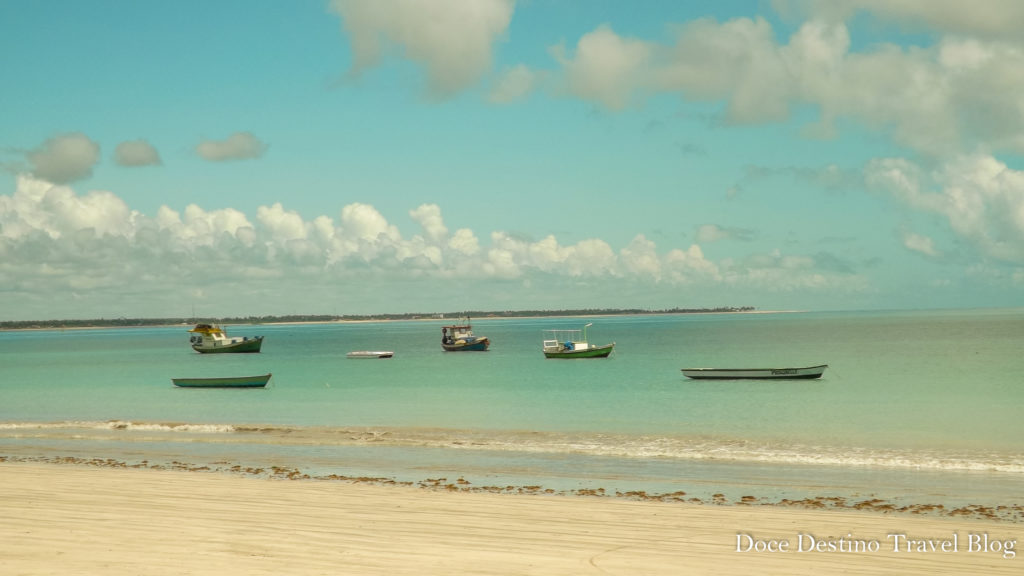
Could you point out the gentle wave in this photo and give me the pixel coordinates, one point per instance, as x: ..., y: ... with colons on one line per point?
x: 119, y: 425
x: 708, y: 449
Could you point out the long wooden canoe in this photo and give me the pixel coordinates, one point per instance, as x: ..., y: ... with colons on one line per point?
x: 806, y: 373
x: 230, y: 382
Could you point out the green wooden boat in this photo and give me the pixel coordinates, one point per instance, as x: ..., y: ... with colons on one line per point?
x: 230, y: 382
x: 573, y: 344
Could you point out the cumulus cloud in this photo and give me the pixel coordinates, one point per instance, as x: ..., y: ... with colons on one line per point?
x: 55, y: 241
x: 136, y: 153
x: 65, y: 158
x: 989, y: 18
x: 940, y: 99
x: 465, y: 242
x: 943, y: 98
x: 238, y: 146
x: 56, y: 210
x: 451, y: 39
x: 979, y: 197
x: 690, y: 266
x: 283, y: 225
x: 429, y: 218
x: 606, y: 67
x: 641, y: 258
x: 362, y: 221
x: 737, y: 61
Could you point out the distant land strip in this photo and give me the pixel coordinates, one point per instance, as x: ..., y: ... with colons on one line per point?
x: 296, y: 318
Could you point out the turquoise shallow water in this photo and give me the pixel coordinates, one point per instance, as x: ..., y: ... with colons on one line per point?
x: 918, y: 407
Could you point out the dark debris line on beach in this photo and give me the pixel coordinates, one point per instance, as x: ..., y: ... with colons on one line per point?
x: 1004, y: 513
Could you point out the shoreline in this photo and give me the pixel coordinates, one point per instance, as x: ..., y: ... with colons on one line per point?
x: 1008, y: 514
x: 417, y: 318
x: 79, y: 519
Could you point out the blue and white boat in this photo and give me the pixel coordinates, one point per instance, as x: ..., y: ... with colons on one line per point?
x: 459, y: 337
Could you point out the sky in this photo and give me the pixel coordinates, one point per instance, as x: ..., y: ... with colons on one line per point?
x: 262, y: 157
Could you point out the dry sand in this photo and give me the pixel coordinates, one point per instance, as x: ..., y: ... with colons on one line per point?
x: 62, y: 519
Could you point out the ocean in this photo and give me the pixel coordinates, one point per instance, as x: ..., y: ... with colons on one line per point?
x: 920, y: 411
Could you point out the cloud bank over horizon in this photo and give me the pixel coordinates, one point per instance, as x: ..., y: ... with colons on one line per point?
x: 808, y: 153
x: 54, y: 240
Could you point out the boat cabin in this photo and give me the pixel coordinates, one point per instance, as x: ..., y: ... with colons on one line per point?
x: 559, y: 340
x: 451, y: 334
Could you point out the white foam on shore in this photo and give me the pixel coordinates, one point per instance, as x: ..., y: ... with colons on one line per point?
x: 119, y: 425
x: 705, y: 449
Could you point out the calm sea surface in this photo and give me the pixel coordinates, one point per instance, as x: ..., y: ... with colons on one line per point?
x: 915, y: 408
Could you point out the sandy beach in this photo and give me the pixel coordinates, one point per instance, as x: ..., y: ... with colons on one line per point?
x: 65, y: 519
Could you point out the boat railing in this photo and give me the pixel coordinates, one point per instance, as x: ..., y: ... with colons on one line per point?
x: 552, y: 346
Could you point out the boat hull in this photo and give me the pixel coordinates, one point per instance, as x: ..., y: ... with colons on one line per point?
x: 230, y: 382
x: 592, y: 352
x: 480, y: 344
x: 247, y: 346
x: 806, y: 373
x: 370, y: 354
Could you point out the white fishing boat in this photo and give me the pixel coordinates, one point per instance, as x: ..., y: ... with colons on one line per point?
x: 573, y: 344
x: 370, y: 354
x: 806, y: 373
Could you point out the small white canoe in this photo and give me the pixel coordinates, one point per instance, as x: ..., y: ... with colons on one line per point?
x: 807, y: 373
x: 371, y: 354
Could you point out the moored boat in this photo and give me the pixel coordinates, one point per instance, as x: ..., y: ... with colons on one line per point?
x: 212, y: 339
x: 573, y: 344
x: 805, y: 373
x: 370, y: 354
x: 460, y: 337
x: 230, y: 382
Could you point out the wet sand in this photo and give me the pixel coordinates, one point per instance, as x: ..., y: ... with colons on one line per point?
x: 70, y: 519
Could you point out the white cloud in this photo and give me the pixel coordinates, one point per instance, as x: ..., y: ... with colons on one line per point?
x: 690, y: 266
x: 208, y: 228
x: 981, y: 199
x: 238, y: 146
x: 451, y: 39
x: 954, y: 95
x: 606, y: 67
x: 429, y: 218
x: 65, y: 158
x: 136, y: 153
x: 283, y: 225
x: 592, y: 257
x: 364, y: 222
x: 54, y: 241
x: 464, y: 242
x: 39, y: 206
x: 990, y: 18
x: 939, y: 99
x: 737, y: 61
x: 641, y: 258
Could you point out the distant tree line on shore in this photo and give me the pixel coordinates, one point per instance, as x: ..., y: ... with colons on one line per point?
x: 136, y: 322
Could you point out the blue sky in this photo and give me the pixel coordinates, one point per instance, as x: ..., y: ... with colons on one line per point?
x: 330, y: 157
